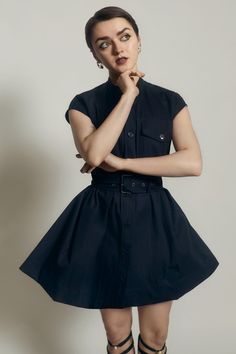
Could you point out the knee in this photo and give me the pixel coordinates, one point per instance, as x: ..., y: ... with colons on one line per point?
x: 154, y: 337
x: 119, y: 335
x: 117, y: 332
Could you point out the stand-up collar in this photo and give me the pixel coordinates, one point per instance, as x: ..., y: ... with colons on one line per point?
x: 140, y: 84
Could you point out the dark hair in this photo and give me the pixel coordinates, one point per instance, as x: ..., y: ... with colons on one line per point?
x: 107, y: 13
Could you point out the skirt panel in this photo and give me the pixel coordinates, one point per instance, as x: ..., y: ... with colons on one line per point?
x: 113, y: 250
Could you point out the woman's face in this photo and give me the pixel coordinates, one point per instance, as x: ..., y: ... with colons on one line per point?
x: 120, y: 40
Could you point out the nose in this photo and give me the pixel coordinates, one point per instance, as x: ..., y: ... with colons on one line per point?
x: 117, y: 47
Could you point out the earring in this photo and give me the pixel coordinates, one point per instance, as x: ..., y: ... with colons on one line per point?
x: 99, y: 64
x: 139, y: 48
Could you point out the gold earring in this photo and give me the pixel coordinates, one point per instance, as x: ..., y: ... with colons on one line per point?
x: 99, y: 64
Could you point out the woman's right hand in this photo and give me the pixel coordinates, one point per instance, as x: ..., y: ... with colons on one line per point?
x: 127, y: 83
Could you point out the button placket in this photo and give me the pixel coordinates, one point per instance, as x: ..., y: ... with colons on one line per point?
x: 130, y: 134
x: 130, y: 139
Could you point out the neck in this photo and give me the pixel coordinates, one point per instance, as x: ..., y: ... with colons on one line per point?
x: 114, y: 78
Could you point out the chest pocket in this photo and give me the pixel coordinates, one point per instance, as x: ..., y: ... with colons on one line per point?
x: 155, y: 137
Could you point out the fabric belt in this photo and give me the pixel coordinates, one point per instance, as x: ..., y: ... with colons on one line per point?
x: 129, y: 183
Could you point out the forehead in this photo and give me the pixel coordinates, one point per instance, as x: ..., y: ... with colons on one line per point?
x: 110, y: 27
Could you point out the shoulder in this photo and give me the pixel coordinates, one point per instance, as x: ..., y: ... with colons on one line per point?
x: 85, y: 101
x: 172, y: 99
x: 91, y: 93
x: 162, y: 91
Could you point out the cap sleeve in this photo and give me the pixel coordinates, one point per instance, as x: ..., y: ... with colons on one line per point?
x: 176, y: 103
x: 79, y: 104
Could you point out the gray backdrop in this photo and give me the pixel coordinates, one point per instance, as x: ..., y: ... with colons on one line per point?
x: 187, y: 46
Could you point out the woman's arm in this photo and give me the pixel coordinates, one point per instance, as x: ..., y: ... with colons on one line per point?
x: 95, y: 144
x: 186, y: 161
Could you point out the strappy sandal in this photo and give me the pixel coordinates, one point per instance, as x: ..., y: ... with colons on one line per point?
x: 163, y: 350
x: 122, y: 343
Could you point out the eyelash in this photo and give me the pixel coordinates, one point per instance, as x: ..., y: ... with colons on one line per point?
x: 121, y: 37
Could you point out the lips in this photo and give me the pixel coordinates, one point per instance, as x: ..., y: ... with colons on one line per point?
x: 121, y: 60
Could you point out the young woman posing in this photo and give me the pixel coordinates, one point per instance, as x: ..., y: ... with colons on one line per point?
x: 124, y: 241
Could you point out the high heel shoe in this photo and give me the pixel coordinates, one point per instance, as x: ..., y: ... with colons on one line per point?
x: 163, y: 350
x: 122, y: 343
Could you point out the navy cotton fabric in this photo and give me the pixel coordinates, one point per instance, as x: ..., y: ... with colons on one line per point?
x: 109, y: 249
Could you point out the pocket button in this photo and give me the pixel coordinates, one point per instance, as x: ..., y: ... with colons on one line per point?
x: 162, y: 136
x: 130, y: 134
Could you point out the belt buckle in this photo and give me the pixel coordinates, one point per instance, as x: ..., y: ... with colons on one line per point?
x: 122, y: 184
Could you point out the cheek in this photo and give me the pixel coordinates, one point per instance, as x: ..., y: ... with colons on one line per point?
x: 133, y: 47
x: 106, y: 59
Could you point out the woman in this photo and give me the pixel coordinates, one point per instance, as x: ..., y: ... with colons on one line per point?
x: 124, y: 241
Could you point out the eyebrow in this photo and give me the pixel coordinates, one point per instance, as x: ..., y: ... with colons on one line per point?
x: 106, y: 37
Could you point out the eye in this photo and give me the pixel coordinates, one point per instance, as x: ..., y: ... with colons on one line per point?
x: 127, y: 35
x: 101, y: 46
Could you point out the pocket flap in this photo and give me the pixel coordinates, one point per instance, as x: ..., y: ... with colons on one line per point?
x: 159, y: 130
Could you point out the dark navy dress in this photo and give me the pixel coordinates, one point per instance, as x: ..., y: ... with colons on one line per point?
x: 123, y: 240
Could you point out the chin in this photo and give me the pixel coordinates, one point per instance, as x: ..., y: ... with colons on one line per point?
x: 131, y: 66
x: 124, y: 68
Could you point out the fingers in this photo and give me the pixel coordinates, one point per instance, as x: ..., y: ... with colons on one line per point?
x: 137, y: 73
x: 87, y: 168
x: 83, y: 169
x: 91, y: 169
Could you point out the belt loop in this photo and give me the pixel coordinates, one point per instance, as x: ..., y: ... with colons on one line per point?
x: 122, y: 184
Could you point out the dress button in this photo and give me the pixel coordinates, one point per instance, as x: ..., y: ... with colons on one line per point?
x: 162, y: 136
x: 130, y: 134
x: 133, y: 184
x: 143, y: 184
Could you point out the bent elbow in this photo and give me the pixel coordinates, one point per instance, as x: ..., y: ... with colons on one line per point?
x: 93, y: 159
x: 197, y: 168
x: 91, y: 153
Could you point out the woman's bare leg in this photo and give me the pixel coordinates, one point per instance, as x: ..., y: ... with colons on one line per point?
x: 118, y: 323
x: 153, y: 324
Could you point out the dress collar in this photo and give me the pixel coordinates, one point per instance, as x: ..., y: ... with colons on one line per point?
x: 140, y: 84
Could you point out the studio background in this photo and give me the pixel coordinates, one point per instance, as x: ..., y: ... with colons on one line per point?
x: 187, y: 46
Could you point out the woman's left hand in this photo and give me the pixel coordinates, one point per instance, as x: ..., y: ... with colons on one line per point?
x: 111, y: 163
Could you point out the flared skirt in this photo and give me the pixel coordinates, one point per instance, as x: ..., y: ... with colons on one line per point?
x: 113, y: 250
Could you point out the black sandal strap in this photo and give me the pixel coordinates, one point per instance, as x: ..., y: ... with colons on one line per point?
x: 122, y: 343
x: 129, y: 348
x: 163, y: 350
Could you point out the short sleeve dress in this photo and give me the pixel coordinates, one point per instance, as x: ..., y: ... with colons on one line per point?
x: 123, y: 240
